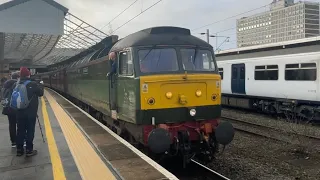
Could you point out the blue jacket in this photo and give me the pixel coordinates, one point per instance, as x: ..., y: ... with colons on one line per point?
x: 114, y: 67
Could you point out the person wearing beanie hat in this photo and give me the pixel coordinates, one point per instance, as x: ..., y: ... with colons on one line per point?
x: 6, y: 110
x: 26, y: 118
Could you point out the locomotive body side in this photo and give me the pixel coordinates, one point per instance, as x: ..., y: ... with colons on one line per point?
x: 89, y: 84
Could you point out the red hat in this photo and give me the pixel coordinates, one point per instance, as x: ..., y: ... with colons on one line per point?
x: 24, y: 72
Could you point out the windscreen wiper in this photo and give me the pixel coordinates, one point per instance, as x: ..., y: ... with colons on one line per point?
x: 195, y: 55
x: 152, y: 48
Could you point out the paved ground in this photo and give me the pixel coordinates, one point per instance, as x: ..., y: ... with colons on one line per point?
x: 39, y: 166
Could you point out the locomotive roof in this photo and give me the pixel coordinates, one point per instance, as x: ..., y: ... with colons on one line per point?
x: 164, y: 35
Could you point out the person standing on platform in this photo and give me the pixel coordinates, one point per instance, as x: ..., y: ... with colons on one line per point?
x: 6, y: 110
x: 25, y: 100
x: 3, y: 80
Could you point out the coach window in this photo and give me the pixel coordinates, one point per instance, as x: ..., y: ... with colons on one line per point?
x: 234, y: 73
x: 221, y: 72
x: 301, y: 72
x: 267, y: 72
x: 242, y: 73
x: 125, y: 64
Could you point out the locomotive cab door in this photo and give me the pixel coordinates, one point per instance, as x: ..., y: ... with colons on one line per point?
x: 113, y: 91
x: 238, y: 78
x: 122, y: 86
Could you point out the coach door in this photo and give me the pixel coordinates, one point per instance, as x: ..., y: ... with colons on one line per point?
x: 238, y: 78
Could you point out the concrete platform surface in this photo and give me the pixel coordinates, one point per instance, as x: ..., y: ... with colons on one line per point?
x: 54, y: 160
x: 76, y: 147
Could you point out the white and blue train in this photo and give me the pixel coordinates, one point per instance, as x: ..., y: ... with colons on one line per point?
x: 273, y: 84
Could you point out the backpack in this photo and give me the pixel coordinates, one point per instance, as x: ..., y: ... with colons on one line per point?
x: 19, y: 98
x: 6, y: 96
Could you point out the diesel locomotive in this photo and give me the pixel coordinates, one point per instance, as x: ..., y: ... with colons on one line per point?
x: 164, y: 95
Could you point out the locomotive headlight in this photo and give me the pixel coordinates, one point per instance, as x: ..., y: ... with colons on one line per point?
x: 198, y: 93
x: 169, y: 95
x: 193, y: 112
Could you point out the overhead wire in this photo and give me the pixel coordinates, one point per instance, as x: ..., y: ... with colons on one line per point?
x: 229, y: 17
x: 120, y: 13
x: 137, y: 15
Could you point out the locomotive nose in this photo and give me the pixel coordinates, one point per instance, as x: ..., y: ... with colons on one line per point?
x: 224, y: 133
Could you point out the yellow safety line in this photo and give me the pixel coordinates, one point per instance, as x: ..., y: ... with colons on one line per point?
x: 57, y: 168
x: 89, y: 164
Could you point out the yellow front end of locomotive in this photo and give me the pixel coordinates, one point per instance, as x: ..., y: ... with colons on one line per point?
x: 174, y: 91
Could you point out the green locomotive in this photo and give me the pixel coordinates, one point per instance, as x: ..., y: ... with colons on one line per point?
x: 165, y: 93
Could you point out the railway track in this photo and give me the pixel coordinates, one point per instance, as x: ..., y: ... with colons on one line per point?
x: 211, y: 174
x: 196, y: 170
x: 270, y: 132
x: 193, y: 171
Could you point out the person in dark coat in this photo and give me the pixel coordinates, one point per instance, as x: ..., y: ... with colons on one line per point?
x: 112, y: 57
x: 26, y: 118
x: 3, y: 80
x: 6, y: 91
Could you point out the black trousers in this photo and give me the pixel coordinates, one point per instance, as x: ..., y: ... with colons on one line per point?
x: 26, y: 122
x: 13, y: 127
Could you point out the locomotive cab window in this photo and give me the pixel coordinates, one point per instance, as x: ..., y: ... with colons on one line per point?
x: 125, y: 64
x: 266, y: 72
x: 221, y: 73
x: 158, y: 60
x: 197, y: 60
x: 301, y: 72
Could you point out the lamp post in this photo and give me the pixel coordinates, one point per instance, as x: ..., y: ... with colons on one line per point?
x: 216, y: 36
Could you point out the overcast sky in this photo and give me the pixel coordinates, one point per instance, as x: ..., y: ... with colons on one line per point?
x: 185, y: 13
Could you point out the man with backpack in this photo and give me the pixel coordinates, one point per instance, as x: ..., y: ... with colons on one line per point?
x: 24, y: 100
x: 6, y: 110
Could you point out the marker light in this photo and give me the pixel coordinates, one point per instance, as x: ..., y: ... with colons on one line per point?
x: 193, y: 112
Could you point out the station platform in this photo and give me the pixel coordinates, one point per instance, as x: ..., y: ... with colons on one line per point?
x: 76, y: 146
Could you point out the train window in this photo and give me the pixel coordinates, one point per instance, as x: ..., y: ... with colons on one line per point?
x: 125, y: 64
x: 242, y: 73
x: 202, y: 62
x: 301, y: 72
x: 268, y: 72
x: 260, y: 67
x: 292, y: 66
x: 234, y: 73
x: 306, y: 65
x: 158, y: 60
x: 221, y: 73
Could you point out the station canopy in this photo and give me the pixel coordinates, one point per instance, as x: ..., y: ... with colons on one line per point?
x: 22, y: 45
x: 78, y: 36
